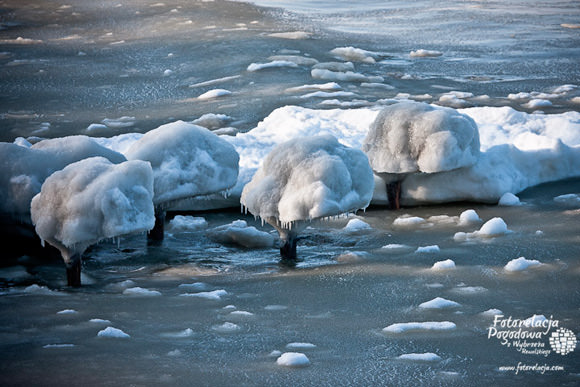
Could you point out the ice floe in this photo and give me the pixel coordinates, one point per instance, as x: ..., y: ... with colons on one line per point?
x: 293, y: 359
x: 420, y: 327
x: 113, y: 333
x: 444, y: 265
x: 439, y: 303
x: 521, y: 264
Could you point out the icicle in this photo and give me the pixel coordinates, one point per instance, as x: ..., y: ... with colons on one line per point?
x: 42, y: 242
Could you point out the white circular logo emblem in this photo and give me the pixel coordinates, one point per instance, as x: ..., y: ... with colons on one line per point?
x: 563, y: 341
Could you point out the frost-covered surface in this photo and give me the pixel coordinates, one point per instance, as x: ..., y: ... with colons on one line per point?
x: 25, y: 167
x: 413, y: 137
x: 309, y: 178
x: 91, y: 200
x: 187, y: 161
x: 420, y: 326
x: 293, y: 359
x: 521, y: 263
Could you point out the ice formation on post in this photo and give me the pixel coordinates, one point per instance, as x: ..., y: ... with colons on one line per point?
x: 187, y: 161
x: 91, y: 200
x: 25, y: 167
x: 304, y: 179
x: 412, y: 137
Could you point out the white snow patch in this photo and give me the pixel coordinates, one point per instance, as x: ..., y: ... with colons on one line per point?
x: 444, y: 265
x: 215, y: 93
x: 238, y: 232
x: 396, y: 247
x: 137, y: 291
x: 420, y: 326
x: 111, y: 332
x: 408, y: 221
x: 67, y: 311
x: 422, y: 53
x: 568, y: 199
x: 293, y: 359
x: 439, y: 303
x: 492, y: 312
x: 354, y: 54
x: 215, y: 295
x: 521, y: 263
x: 300, y: 346
x: 227, y: 327
x: 355, y: 225
x: 428, y: 249
x: 292, y: 35
x: 187, y: 223
x: 273, y: 64
x: 509, y: 199
x: 422, y: 357
x: 538, y: 103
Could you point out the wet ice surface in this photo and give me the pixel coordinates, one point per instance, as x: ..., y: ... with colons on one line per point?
x: 201, y: 312
x: 198, y: 310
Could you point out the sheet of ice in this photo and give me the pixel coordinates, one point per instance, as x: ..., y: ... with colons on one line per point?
x: 273, y: 64
x: 238, y: 232
x: 354, y: 54
x: 215, y: 295
x: 509, y: 199
x: 293, y: 359
x: 420, y: 326
x: 422, y: 53
x: 444, y: 265
x: 187, y: 161
x: 24, y: 169
x: 521, y: 264
x: 214, y: 93
x: 309, y: 178
x: 428, y: 249
x: 114, y: 333
x: 141, y: 292
x: 91, y: 200
x: 422, y: 357
x: 439, y: 303
x: 410, y: 137
x: 187, y: 223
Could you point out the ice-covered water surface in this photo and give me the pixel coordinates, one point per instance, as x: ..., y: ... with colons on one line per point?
x: 216, y: 312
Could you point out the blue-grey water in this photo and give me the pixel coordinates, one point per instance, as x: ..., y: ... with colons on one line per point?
x: 80, y: 62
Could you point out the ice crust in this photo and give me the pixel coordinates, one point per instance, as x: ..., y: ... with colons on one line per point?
x: 91, y: 200
x: 309, y: 178
x: 187, y: 161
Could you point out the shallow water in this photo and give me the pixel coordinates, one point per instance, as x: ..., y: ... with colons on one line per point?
x: 88, y: 61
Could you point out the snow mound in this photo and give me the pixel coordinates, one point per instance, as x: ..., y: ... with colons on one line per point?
x: 428, y: 249
x: 410, y: 137
x: 422, y: 53
x: 238, y: 232
x: 509, y: 199
x: 355, y: 225
x: 439, y: 303
x: 293, y: 359
x: 492, y: 228
x: 187, y: 161
x: 227, y: 327
x: 187, y: 223
x: 521, y: 264
x: 24, y: 169
x: 114, y: 333
x: 354, y: 54
x: 273, y: 64
x: 568, y: 199
x: 215, y: 93
x: 443, y: 265
x: 468, y: 217
x: 408, y: 221
x: 215, y: 295
x: 420, y: 326
x: 91, y: 200
x: 308, y: 178
x: 300, y: 346
x: 423, y: 357
x: 137, y: 291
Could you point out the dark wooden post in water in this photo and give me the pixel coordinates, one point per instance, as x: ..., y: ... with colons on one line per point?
x: 394, y: 194
x: 73, y: 271
x: 157, y: 234
x: 288, y: 241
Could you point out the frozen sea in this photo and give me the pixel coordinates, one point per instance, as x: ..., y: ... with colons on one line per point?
x: 199, y: 310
